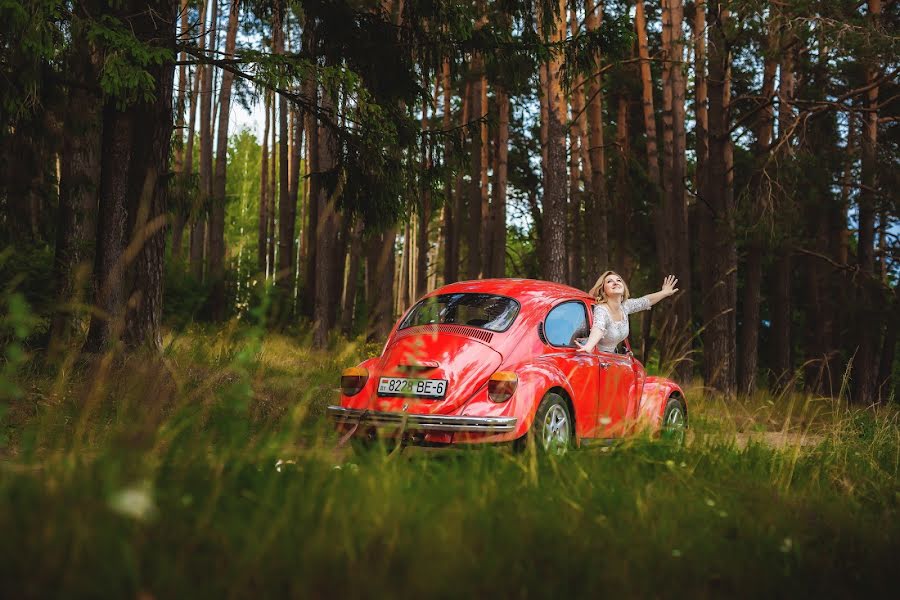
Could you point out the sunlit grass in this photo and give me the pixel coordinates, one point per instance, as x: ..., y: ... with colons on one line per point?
x: 211, y: 472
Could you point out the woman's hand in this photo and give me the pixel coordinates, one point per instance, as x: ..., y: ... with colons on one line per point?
x: 668, y: 286
x: 581, y: 348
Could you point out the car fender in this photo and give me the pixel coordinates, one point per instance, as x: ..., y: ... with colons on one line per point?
x: 656, y: 393
x: 536, y: 378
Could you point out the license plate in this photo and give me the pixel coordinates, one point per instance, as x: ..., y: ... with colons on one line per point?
x: 403, y: 386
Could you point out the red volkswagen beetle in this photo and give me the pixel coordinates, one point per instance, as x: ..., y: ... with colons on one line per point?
x: 494, y: 360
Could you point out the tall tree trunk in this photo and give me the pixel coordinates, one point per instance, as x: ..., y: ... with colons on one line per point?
x: 597, y: 207
x: 310, y: 92
x: 403, y: 291
x: 421, y: 270
x: 287, y: 206
x: 273, y: 186
x: 200, y: 96
x: 865, y: 364
x: 498, y: 203
x: 451, y: 212
x: 78, y: 187
x: 132, y: 197
x: 553, y: 265
x: 573, y: 221
x: 348, y: 305
x: 760, y: 195
x: 474, y: 225
x: 106, y: 323
x: 781, y: 289
x: 380, y: 284
x: 178, y: 214
x: 326, y: 269
x: 217, y: 213
x: 640, y: 22
x: 674, y: 201
x: 262, y: 230
x: 720, y: 299
x: 624, y: 260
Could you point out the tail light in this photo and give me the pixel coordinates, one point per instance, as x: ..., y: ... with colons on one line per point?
x: 501, y: 385
x: 353, y: 380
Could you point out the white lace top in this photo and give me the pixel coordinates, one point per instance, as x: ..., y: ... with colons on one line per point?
x: 613, y: 332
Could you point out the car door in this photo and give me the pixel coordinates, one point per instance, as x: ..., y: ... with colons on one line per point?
x: 564, y: 323
x: 616, y: 388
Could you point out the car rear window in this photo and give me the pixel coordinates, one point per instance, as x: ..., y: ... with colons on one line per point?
x: 487, y: 311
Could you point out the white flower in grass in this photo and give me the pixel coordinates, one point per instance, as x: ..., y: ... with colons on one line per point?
x: 135, y: 502
x: 605, y: 420
x: 787, y: 545
x: 676, y: 553
x: 710, y: 502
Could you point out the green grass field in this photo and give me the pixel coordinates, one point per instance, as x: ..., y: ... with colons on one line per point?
x: 212, y: 473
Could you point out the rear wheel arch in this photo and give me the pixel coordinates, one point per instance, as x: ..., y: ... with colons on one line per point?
x: 565, y: 396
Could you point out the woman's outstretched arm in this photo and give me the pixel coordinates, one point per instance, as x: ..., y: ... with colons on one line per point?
x: 668, y: 288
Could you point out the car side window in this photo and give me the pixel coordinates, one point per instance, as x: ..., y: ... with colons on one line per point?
x: 565, y: 323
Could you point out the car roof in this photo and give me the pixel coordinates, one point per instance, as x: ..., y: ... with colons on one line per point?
x: 526, y: 291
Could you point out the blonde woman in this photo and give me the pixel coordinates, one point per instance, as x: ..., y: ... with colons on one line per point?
x: 613, y: 307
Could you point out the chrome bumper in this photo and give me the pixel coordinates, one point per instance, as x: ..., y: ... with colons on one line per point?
x: 415, y: 422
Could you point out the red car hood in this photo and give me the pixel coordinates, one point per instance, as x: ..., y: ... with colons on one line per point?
x: 464, y: 362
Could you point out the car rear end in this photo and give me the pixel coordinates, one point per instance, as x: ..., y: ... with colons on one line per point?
x: 442, y: 355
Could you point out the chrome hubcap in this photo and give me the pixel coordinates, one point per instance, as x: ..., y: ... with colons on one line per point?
x: 675, y: 419
x: 673, y: 428
x: 556, y: 429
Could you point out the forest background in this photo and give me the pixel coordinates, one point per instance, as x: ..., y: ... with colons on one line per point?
x: 180, y: 294
x: 748, y: 147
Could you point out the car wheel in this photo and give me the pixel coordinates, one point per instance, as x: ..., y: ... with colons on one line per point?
x: 674, y: 421
x: 553, y: 426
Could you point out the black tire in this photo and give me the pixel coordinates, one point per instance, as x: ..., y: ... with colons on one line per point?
x: 553, y: 411
x: 674, y: 421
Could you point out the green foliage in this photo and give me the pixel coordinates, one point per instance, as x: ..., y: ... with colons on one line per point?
x: 27, y: 271
x: 124, y: 74
x: 31, y: 37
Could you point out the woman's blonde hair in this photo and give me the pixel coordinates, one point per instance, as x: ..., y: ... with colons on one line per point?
x: 597, y: 290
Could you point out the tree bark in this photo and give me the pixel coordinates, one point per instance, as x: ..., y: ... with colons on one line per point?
x: 380, y: 284
x: 573, y: 236
x: 475, y: 197
x: 622, y: 211
x: 760, y: 196
x: 498, y: 203
x: 106, y: 324
x: 865, y: 364
x: 263, y: 230
x: 307, y: 299
x: 451, y: 212
x: 553, y: 265
x: 78, y: 189
x: 132, y: 198
x: 200, y: 96
x: 217, y: 212
x: 598, y: 206
x: 178, y: 212
x: 327, y: 230
x: 273, y: 186
x: 351, y: 289
x: 720, y: 298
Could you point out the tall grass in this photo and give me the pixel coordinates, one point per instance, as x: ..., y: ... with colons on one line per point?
x: 211, y: 472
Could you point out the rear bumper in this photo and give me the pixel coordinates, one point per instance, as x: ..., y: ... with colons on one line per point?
x: 417, y: 422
